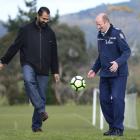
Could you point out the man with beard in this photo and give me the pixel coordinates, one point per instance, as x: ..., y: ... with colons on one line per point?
x: 38, y: 56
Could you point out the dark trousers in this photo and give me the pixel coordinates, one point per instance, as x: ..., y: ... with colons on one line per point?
x: 112, y: 94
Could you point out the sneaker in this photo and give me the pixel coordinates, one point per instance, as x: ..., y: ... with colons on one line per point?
x: 37, y: 130
x: 107, y: 133
x: 44, y: 116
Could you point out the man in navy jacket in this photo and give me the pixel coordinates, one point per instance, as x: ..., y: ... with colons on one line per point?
x: 112, y: 63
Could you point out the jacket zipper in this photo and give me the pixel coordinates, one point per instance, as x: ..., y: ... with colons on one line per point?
x: 40, y: 49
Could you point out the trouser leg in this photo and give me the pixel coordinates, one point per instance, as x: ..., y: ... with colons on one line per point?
x: 105, y: 100
x: 42, y: 86
x: 118, y: 88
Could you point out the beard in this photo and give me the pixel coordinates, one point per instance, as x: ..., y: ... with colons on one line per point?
x: 42, y: 24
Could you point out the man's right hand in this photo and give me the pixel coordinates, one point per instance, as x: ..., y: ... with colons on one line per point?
x: 91, y: 74
x: 1, y: 66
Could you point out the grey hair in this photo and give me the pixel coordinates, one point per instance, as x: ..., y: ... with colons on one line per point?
x: 105, y: 18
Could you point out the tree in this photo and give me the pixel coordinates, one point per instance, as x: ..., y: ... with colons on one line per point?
x: 71, y: 50
x: 73, y: 58
x: 22, y: 17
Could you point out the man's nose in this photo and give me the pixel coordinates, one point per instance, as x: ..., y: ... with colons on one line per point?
x: 98, y: 26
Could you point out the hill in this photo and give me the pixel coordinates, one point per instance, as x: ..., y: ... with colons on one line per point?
x: 125, y: 16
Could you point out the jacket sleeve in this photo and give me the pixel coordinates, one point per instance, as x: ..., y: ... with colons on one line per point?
x: 97, y: 65
x: 54, y: 56
x: 124, y: 49
x: 13, y: 49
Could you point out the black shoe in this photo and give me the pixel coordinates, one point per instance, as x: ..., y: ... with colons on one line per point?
x: 107, y: 133
x: 116, y: 132
x: 44, y: 116
x: 37, y: 130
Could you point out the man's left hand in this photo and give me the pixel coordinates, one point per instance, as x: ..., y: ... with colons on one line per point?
x: 114, y: 66
x: 56, y: 77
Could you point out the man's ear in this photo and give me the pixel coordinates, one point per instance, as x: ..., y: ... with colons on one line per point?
x: 37, y: 16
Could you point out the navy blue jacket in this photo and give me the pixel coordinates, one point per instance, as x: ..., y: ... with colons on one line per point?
x: 112, y: 47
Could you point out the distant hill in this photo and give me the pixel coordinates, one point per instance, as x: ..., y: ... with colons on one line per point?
x: 2, y: 30
x: 124, y: 15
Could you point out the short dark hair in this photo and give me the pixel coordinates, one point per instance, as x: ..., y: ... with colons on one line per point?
x: 43, y: 9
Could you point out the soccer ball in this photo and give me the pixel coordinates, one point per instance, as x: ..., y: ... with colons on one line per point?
x: 78, y: 83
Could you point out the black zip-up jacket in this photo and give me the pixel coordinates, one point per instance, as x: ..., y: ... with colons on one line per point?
x: 37, y: 48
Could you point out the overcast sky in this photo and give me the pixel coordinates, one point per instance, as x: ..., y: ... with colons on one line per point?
x: 9, y: 7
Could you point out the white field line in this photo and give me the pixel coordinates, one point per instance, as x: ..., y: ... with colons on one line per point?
x: 82, y: 118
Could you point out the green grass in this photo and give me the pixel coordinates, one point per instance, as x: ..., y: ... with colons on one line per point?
x: 69, y: 122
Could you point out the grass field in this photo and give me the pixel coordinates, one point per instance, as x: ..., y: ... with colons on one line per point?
x: 69, y: 122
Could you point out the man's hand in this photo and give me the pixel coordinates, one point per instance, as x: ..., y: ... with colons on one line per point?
x: 56, y: 77
x: 1, y: 66
x: 114, y: 66
x: 91, y: 74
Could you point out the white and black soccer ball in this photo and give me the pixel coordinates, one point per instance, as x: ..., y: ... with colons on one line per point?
x: 78, y: 83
